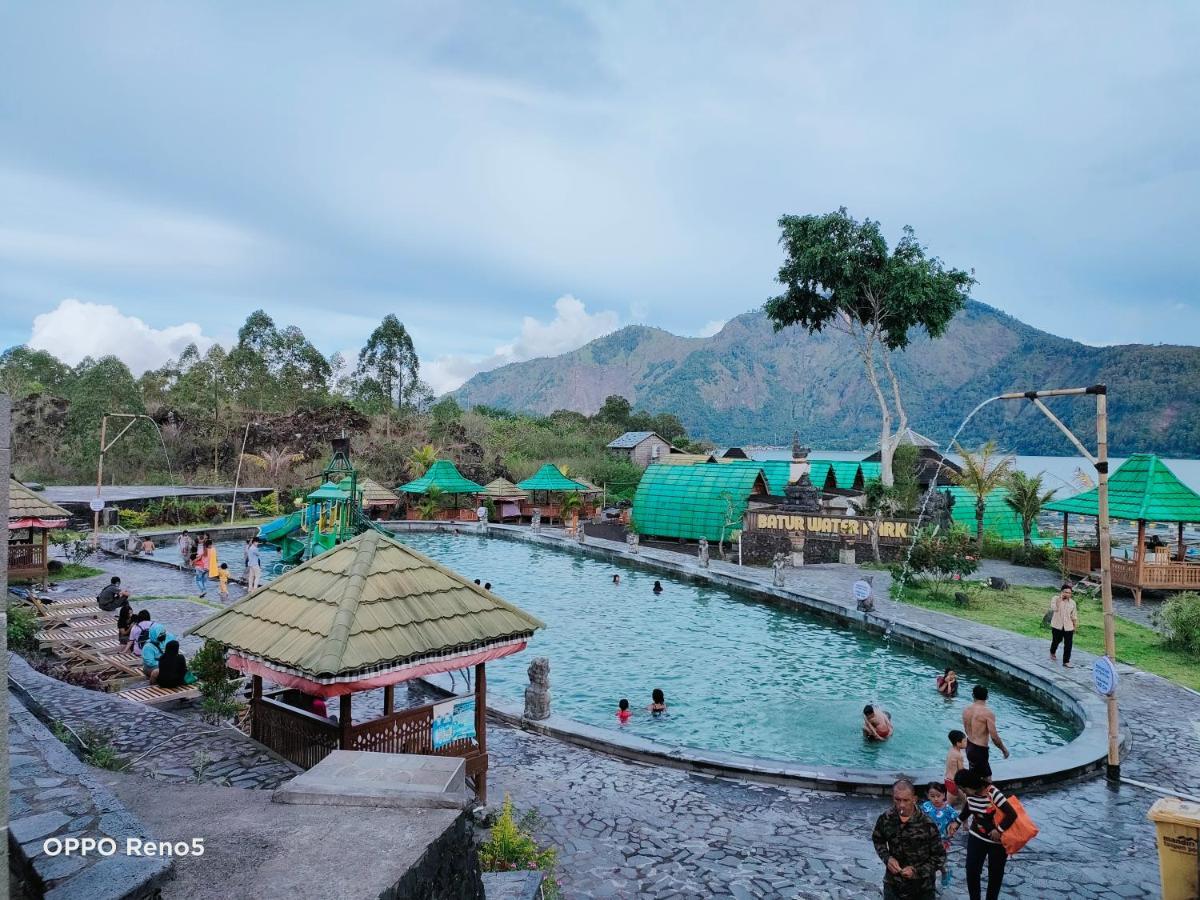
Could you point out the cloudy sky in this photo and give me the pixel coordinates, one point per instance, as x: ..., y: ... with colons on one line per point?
x: 513, y: 179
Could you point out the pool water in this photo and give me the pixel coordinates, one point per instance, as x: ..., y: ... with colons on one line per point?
x: 739, y: 675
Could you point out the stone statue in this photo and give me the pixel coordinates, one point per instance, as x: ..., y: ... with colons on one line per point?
x: 535, y: 522
x: 580, y: 534
x: 703, y: 553
x: 939, y: 506
x: 777, y: 564
x: 537, y: 695
x: 631, y: 540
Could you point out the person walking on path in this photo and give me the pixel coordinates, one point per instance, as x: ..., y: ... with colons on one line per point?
x: 910, y: 846
x: 200, y: 563
x: 1064, y: 620
x: 253, y: 565
x: 979, y: 722
x: 187, y: 549
x: 987, y: 814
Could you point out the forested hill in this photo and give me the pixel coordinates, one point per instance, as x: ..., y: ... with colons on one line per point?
x: 749, y: 384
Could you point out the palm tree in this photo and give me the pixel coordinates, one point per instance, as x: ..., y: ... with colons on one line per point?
x: 428, y: 507
x: 275, y: 464
x: 982, y: 472
x: 1026, y: 499
x: 422, y: 458
x: 569, y: 508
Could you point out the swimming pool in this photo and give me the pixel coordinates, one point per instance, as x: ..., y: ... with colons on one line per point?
x: 739, y: 675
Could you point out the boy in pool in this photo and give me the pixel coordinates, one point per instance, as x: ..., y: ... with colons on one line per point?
x: 944, y: 816
x: 658, y: 702
x: 624, y: 714
x: 877, y: 723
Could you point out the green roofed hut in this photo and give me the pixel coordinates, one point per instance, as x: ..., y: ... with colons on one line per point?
x: 999, y: 519
x: 547, y: 482
x: 369, y: 613
x: 693, y: 502
x: 444, y: 480
x: 1143, y: 490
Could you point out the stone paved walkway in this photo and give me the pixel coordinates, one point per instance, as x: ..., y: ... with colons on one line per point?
x: 54, y: 795
x: 155, y: 742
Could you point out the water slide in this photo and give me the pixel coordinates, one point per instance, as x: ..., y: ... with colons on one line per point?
x: 275, y: 531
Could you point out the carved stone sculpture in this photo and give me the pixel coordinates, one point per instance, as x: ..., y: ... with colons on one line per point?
x: 631, y: 540
x: 535, y: 522
x: 703, y: 553
x: 537, y: 694
x: 779, y: 562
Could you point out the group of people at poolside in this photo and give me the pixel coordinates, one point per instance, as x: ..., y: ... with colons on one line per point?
x: 913, y: 841
x: 138, y: 633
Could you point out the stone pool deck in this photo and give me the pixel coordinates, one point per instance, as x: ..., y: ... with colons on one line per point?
x: 630, y: 830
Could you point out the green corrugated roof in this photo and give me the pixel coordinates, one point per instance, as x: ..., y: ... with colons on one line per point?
x: 818, y: 471
x: 329, y: 491
x: 1143, y: 488
x: 363, y: 607
x: 999, y: 518
x: 871, y: 471
x: 775, y: 471
x: 687, y: 501
x: 443, y: 475
x: 549, y: 478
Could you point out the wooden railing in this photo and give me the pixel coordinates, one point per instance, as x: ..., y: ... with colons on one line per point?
x: 294, y: 734
x: 1078, y: 562
x: 305, y: 739
x: 26, y: 558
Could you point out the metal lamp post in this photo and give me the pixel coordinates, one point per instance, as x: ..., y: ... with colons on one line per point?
x: 1100, y: 461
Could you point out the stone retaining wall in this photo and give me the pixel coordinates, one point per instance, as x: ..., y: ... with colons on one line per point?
x: 448, y: 870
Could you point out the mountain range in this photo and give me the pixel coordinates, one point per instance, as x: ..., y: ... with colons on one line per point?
x: 749, y: 384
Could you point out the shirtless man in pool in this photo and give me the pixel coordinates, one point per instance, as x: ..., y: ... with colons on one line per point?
x: 979, y: 722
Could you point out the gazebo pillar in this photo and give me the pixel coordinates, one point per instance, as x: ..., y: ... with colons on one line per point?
x: 481, y: 728
x: 1141, y: 561
x: 1181, y: 554
x: 389, y: 699
x: 344, y: 722
x: 1063, y: 555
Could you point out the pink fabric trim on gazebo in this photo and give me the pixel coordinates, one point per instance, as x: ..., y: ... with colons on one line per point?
x: 395, y: 676
x: 37, y: 523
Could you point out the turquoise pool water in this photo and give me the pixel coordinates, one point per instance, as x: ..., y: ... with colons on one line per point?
x: 740, y: 676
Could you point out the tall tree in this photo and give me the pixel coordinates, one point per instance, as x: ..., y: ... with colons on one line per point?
x: 983, y: 471
x: 1026, y: 498
x: 249, y: 361
x: 24, y: 371
x: 107, y: 386
x: 838, y: 273
x: 388, y: 363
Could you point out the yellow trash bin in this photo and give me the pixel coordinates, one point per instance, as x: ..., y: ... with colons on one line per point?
x: 1178, y: 824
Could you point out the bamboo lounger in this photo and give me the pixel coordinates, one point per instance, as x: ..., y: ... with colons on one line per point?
x: 153, y: 695
x: 89, y: 633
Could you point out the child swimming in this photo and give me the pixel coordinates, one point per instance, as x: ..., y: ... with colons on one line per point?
x: 624, y: 713
x: 658, y: 702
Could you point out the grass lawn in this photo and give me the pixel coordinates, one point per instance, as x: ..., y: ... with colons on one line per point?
x: 69, y: 572
x: 1021, y: 609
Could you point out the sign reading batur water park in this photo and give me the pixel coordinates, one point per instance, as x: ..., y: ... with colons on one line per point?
x: 453, y: 721
x: 895, y: 531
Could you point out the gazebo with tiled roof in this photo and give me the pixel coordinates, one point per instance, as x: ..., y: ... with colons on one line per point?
x: 1143, y: 490
x: 506, y: 497
x: 370, y: 613
x: 374, y: 497
x: 30, y: 521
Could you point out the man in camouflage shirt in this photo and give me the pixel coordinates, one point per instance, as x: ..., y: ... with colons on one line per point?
x: 908, y: 842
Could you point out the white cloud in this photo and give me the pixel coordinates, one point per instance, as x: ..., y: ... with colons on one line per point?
x: 75, y: 329
x: 572, y: 327
x: 712, y: 328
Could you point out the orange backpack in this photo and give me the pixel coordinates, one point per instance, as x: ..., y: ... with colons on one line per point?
x: 1020, y: 832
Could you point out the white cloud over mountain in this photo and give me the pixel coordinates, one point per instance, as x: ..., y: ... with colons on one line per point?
x: 572, y: 327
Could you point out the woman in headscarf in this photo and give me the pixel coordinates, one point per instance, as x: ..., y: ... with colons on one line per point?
x: 172, y: 667
x: 151, y: 653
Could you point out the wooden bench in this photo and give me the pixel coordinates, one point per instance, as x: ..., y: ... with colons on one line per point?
x: 153, y: 695
x: 88, y: 634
